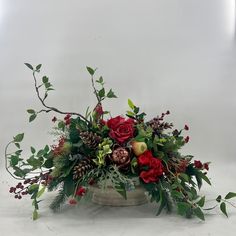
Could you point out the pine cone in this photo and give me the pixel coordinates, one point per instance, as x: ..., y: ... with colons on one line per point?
x: 120, y: 157
x: 82, y: 168
x: 90, y: 139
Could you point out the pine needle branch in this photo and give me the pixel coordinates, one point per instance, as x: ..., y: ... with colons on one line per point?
x: 58, y: 200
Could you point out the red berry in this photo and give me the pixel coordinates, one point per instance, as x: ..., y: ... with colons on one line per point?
x: 186, y: 127
x: 80, y: 191
x: 54, y: 119
x: 72, y: 201
x: 186, y: 139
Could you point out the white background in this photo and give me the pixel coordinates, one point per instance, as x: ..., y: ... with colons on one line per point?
x: 176, y: 55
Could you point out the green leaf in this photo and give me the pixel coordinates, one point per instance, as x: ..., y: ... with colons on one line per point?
x: 201, y: 202
x: 100, y: 80
x: 198, y: 212
x: 130, y: 113
x: 90, y: 70
x: 48, y: 163
x: 29, y: 66
x: 18, y: 138
x: 41, y: 191
x: 230, y: 195
x: 38, y: 66
x: 185, y: 177
x: 218, y: 199
x: 17, y: 145
x: 131, y: 104
x: 182, y: 207
x: 176, y: 194
x: 35, y: 163
x: 31, y: 111
x: 35, y: 214
x: 45, y: 79
x: 14, y: 160
x: 33, y: 188
x: 32, y: 117
x: 32, y: 150
x: 101, y: 93
x: 204, y: 177
x: 223, y: 208
x: 47, y: 85
x: 111, y: 94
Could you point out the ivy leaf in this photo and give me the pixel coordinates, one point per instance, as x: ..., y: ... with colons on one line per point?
x: 201, y: 202
x: 45, y: 79
x: 218, y: 199
x: 35, y: 214
x: 101, y: 93
x: 18, y: 138
x: 223, y: 208
x: 14, y: 160
x: 32, y: 150
x: 100, y: 80
x: 32, y: 117
x: 38, y: 66
x: 198, y: 212
x: 111, y: 94
x: 230, y: 195
x: 31, y: 111
x: 17, y: 145
x: 29, y: 66
x: 90, y: 70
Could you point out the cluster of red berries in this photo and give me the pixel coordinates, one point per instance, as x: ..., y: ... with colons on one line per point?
x: 22, y: 189
x: 67, y: 119
x: 57, y: 149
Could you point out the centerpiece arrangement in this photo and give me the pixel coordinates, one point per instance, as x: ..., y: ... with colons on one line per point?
x: 118, y: 158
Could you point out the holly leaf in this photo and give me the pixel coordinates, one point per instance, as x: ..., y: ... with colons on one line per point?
x: 18, y: 138
x: 230, y: 195
x: 223, y: 208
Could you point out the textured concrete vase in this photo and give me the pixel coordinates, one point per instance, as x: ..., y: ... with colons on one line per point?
x: 110, y: 197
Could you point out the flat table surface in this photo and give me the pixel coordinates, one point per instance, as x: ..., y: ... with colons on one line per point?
x: 90, y: 219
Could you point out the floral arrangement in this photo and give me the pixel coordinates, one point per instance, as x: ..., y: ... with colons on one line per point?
x: 96, y: 147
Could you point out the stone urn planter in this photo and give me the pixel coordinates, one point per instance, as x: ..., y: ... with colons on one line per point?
x: 110, y: 197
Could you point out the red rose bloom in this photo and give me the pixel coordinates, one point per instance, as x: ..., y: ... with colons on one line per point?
x: 198, y: 164
x: 121, y: 129
x: 155, y: 167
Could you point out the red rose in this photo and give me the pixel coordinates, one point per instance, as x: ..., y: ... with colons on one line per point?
x: 155, y: 167
x: 121, y: 129
x: 198, y: 164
